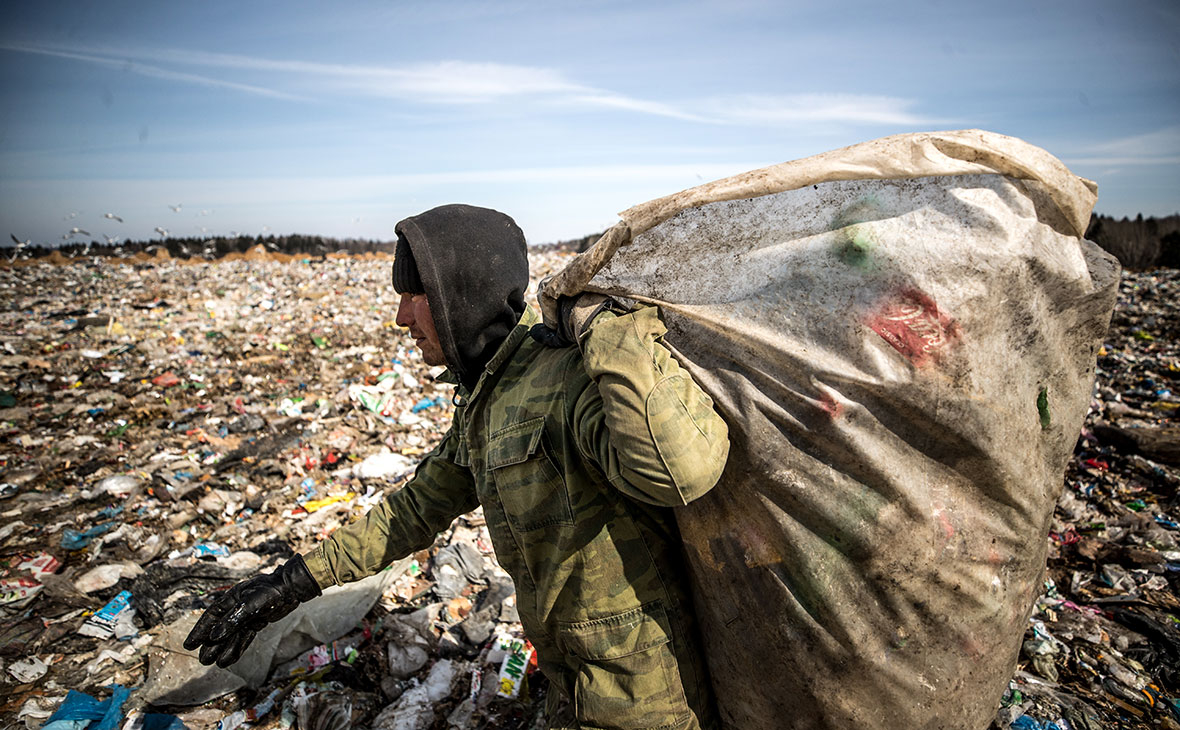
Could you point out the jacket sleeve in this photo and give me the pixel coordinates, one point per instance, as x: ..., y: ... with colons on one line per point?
x: 404, y: 522
x: 643, y: 419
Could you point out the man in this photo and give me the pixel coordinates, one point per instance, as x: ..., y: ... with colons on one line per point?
x: 575, y: 452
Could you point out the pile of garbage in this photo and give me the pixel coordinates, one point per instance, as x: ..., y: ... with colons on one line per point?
x: 167, y: 430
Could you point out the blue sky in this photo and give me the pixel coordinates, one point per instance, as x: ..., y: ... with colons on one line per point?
x: 340, y: 119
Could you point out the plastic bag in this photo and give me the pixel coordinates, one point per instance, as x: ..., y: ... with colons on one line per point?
x: 901, y: 336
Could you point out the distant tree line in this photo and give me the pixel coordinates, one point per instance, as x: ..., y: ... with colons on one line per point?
x: 1142, y: 243
x: 217, y: 247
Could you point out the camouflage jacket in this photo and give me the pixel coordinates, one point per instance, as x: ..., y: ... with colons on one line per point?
x: 576, y: 456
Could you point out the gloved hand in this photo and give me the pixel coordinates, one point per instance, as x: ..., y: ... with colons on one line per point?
x: 574, y: 317
x: 228, y: 626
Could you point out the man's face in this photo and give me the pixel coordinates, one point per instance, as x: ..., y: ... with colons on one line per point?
x: 413, y: 313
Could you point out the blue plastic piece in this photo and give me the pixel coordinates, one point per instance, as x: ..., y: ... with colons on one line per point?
x: 80, y: 710
x: 73, y: 540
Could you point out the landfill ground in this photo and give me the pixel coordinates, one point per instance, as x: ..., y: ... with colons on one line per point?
x: 169, y: 428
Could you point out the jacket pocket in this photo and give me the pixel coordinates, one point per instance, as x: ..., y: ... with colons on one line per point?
x: 531, y: 489
x: 626, y: 671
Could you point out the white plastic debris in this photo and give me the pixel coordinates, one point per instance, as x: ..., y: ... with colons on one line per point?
x: 105, y: 576
x: 414, y: 710
x: 28, y: 670
x: 383, y: 465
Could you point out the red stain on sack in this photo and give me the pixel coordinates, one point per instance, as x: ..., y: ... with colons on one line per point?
x: 828, y: 404
x: 910, y: 321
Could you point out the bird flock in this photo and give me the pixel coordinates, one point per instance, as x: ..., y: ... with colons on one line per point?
x: 21, y: 247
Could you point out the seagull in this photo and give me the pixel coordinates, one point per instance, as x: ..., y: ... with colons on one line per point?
x: 111, y: 240
x: 206, y: 212
x: 71, y: 216
x: 76, y: 230
x: 162, y: 231
x: 112, y: 216
x: 19, y: 246
x: 175, y: 208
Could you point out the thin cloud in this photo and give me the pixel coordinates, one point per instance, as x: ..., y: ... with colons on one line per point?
x: 154, y: 71
x: 1161, y: 147
x: 1164, y: 142
x: 439, y: 82
x: 459, y: 82
x: 794, y: 108
x: 615, y: 101
x: 1146, y: 160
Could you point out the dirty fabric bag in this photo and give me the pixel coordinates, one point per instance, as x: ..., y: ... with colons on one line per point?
x: 901, y: 336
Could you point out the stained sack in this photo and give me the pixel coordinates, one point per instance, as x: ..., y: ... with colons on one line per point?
x: 901, y: 336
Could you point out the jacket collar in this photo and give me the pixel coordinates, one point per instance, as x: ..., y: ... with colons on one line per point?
x: 506, y: 350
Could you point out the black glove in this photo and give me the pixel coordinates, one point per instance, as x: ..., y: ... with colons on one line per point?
x: 574, y: 317
x: 228, y: 626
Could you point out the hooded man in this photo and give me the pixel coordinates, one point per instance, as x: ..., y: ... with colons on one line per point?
x: 576, y: 441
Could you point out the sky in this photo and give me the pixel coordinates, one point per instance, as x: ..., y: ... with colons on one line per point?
x: 340, y: 119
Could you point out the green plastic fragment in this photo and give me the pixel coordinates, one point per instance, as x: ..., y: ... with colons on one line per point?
x: 1137, y: 505
x: 1043, y: 408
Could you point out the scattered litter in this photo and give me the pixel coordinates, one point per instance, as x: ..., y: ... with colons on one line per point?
x: 176, y: 492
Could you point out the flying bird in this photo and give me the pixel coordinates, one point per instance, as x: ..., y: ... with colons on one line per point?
x: 71, y: 216
x: 162, y: 231
x: 175, y: 208
x: 76, y: 230
x: 112, y: 216
x: 19, y: 246
x: 111, y: 240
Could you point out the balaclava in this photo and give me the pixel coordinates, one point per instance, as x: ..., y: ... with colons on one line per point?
x: 473, y: 267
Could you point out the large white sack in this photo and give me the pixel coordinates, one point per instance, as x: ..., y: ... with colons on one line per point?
x: 901, y: 336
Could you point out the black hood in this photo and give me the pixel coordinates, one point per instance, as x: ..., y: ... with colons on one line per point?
x: 475, y: 269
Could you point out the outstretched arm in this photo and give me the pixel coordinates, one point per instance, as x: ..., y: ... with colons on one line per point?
x: 404, y: 522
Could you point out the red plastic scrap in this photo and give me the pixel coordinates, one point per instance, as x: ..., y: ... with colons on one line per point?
x: 166, y: 380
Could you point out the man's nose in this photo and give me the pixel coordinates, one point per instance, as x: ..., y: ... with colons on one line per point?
x: 404, y: 317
